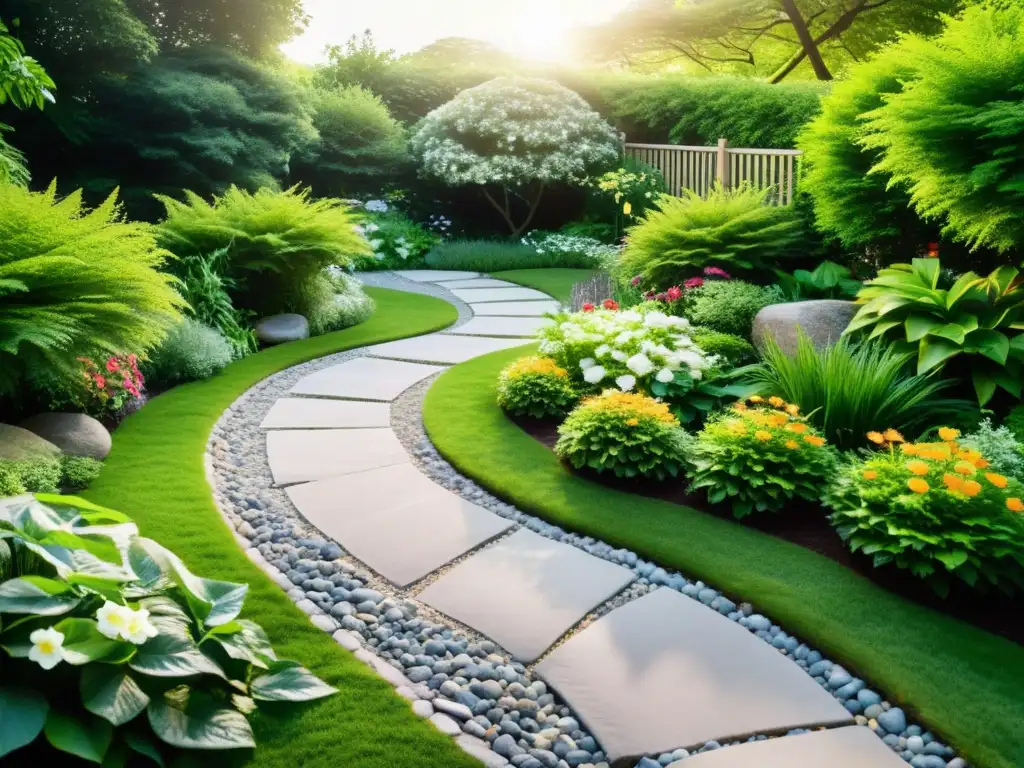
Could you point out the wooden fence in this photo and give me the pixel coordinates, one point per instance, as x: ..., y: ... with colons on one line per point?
x: 698, y: 168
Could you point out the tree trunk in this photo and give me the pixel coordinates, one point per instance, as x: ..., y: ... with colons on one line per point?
x: 810, y: 47
x: 506, y: 210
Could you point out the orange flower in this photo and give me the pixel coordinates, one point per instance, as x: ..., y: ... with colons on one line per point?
x: 917, y: 485
x: 876, y: 437
x: 953, y: 482
x: 739, y: 406
x: 814, y: 440
x: 1014, y: 504
x: 910, y: 449
x: 948, y: 435
x: 996, y: 479
x: 632, y: 422
x: 762, y: 435
x: 936, y: 454
x: 971, y: 488
x: 869, y: 474
x: 792, y: 409
x: 981, y: 463
x: 778, y: 419
x: 777, y: 402
x: 963, y: 468
x: 755, y: 399
x: 917, y: 467
x: 797, y: 427
x: 893, y: 436
x: 792, y: 444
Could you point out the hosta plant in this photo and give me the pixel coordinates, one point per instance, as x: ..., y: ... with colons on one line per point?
x: 691, y: 399
x: 625, y: 434
x: 536, y: 387
x: 760, y: 455
x: 977, y: 322
x: 110, y: 646
x: 397, y: 242
x: 936, y: 509
x: 827, y: 281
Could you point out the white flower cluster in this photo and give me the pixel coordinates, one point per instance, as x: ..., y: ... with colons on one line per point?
x: 513, y: 131
x: 630, y: 347
x: 376, y: 206
x: 439, y: 224
x: 594, y: 250
x: 118, y: 622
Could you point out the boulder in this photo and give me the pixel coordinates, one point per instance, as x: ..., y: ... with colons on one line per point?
x: 18, y: 444
x: 73, y: 433
x: 281, y: 328
x: 823, y: 321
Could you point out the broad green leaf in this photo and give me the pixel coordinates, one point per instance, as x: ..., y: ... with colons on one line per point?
x: 952, y: 560
x: 992, y: 344
x: 927, y: 271
x: 108, y: 692
x: 37, y: 595
x: 173, y: 656
x: 919, y: 326
x: 984, y: 385
x: 108, y: 588
x: 934, y: 351
x: 100, y: 546
x: 94, y: 513
x: 960, y: 289
x: 289, y: 684
x: 884, y: 327
x: 828, y: 274
x: 247, y: 643
x: 22, y: 716
x: 216, y: 729
x: 143, y: 746
x: 88, y: 739
x: 84, y: 643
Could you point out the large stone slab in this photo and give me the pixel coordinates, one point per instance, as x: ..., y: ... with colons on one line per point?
x: 526, y: 591
x: 435, y: 275
x: 515, y: 308
x: 442, y: 348
x: 478, y: 282
x: 303, y: 455
x: 470, y: 295
x: 318, y: 413
x: 364, y: 378
x: 823, y: 321
x: 666, y: 671
x: 396, y: 520
x: 850, y: 747
x: 522, y: 327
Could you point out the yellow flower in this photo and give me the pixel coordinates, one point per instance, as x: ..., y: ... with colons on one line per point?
x: 792, y: 445
x: 910, y: 449
x: 797, y: 427
x: 778, y: 419
x: 737, y: 427
x: 630, y: 405
x: 869, y: 474
x: 948, y: 435
x: 953, y: 482
x: 756, y: 399
x: 1014, y: 504
x: 539, y: 365
x: 917, y: 485
x: 627, y: 208
x: 876, y: 437
x: 762, y: 435
x: 971, y: 488
x: 964, y: 468
x: 792, y: 409
x: 814, y: 440
x: 632, y: 422
x: 917, y: 467
x: 999, y: 481
x: 776, y: 402
x: 893, y: 436
x: 740, y: 406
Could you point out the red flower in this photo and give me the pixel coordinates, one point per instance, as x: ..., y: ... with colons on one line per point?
x: 650, y: 295
x: 674, y: 293
x: 132, y: 360
x: 113, y: 365
x: 610, y: 304
x: 100, y: 380
x: 588, y: 307
x: 694, y: 282
x: 131, y: 387
x: 636, y: 280
x: 717, y: 272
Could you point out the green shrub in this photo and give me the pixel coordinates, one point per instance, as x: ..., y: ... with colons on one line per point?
x: 625, y: 434
x: 935, y: 510
x: 1015, y: 422
x: 42, y: 475
x: 827, y: 281
x: 13, y: 168
x: 849, y: 389
x: 276, y: 241
x: 729, y: 306
x: 732, y: 349
x: 499, y: 255
x: 734, y: 230
x: 760, y: 458
x: 624, y: 195
x: 1003, y: 450
x: 336, y: 301
x: 75, y: 283
x: 206, y: 289
x: 536, y: 387
x: 397, y: 241
x: 191, y: 351
x: 10, y: 481
x: 977, y: 320
x: 122, y: 627
x: 78, y: 472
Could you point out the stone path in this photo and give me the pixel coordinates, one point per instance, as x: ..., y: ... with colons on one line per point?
x: 659, y: 671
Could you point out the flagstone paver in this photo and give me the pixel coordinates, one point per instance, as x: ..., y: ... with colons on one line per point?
x: 396, y: 520
x: 515, y: 308
x: 849, y: 747
x: 318, y: 413
x: 523, y: 327
x: 478, y: 282
x: 526, y: 591
x: 469, y: 295
x: 442, y: 348
x: 436, y: 275
x: 303, y: 455
x: 365, y: 378
x: 666, y: 671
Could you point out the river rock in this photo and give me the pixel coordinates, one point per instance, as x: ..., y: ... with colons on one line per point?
x: 823, y: 321
x: 278, y: 329
x: 19, y: 444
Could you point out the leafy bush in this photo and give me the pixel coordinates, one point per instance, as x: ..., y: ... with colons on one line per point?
x: 626, y: 434
x: 631, y: 349
x: 730, y: 229
x: 934, y: 509
x: 1004, y: 452
x: 498, y: 255
x: 978, y: 319
x: 99, y: 390
x: 397, y: 241
x: 1015, y: 422
x: 13, y: 169
x: 760, y: 458
x: 191, y: 351
x: 276, y: 241
x: 10, y: 481
x: 626, y: 193
x: 128, y: 630
x: 536, y: 387
x: 78, y: 472
x: 828, y: 281
x: 75, y: 283
x: 206, y: 289
x: 336, y: 301
x: 571, y: 250
x: 849, y: 389
x: 41, y: 475
x: 550, y: 136
x: 728, y: 306
x: 731, y: 350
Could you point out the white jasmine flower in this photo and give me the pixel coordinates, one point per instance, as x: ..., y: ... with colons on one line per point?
x: 640, y: 364
x: 139, y: 628
x: 665, y: 375
x: 112, y: 619
x: 594, y: 374
x: 626, y: 382
x: 602, y: 350
x: 47, y: 648
x: 619, y: 355
x: 587, y: 362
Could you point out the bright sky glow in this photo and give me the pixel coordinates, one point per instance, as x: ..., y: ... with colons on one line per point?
x: 536, y: 29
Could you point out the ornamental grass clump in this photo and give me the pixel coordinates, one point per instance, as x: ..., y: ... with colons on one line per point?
x: 760, y: 455
x: 536, y: 387
x: 626, y: 434
x: 936, y: 509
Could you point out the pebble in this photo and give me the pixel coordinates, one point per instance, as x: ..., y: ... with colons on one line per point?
x: 445, y: 724
x: 893, y: 721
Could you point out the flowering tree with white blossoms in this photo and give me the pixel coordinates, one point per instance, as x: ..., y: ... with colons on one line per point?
x: 516, y: 134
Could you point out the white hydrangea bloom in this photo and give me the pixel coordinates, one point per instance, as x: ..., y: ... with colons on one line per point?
x: 626, y: 382
x: 640, y: 364
x: 594, y: 374
x: 665, y: 375
x: 587, y: 362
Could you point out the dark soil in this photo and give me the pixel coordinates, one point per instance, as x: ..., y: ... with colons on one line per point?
x: 806, y: 524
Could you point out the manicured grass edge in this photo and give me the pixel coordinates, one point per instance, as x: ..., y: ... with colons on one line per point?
x: 962, y: 682
x: 156, y: 474
x: 556, y: 281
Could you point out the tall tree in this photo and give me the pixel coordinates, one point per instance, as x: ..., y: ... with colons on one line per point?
x: 23, y: 83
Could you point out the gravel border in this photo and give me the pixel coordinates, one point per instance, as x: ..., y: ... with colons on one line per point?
x: 464, y: 683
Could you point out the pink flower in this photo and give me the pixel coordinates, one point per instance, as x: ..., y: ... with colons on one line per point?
x: 101, y: 381
x: 636, y: 280
x: 674, y: 293
x: 132, y: 360
x: 113, y: 364
x: 650, y: 295
x: 717, y: 272
x: 661, y: 297
x: 131, y: 388
x: 694, y: 282
x: 588, y: 307
x: 611, y: 304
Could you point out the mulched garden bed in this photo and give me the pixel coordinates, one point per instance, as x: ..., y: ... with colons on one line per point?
x: 806, y: 524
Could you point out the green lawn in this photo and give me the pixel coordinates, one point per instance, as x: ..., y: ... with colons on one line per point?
x: 555, y: 282
x: 155, y: 473
x: 964, y: 683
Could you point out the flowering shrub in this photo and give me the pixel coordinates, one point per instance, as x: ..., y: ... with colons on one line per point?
x: 103, y: 389
x: 397, y: 242
x: 631, y: 348
x: 572, y: 250
x: 936, y: 509
x: 99, y: 625
x: 760, y: 455
x: 629, y: 191
x: 537, y: 387
x: 627, y: 434
x: 998, y: 444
